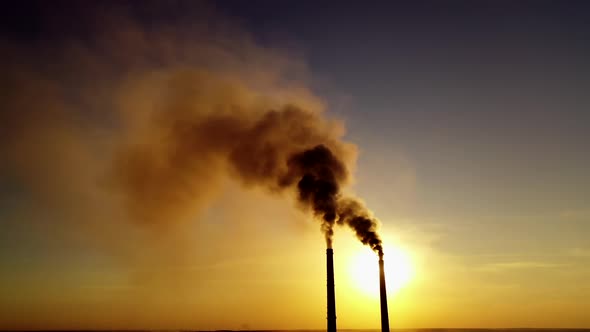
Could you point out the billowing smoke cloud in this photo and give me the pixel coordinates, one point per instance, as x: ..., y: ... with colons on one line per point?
x: 279, y: 149
x: 156, y: 119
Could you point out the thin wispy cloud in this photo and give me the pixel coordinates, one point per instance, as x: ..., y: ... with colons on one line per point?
x: 575, y: 214
x: 519, y: 265
x: 579, y: 252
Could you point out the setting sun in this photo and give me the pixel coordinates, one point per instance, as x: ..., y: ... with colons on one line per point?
x: 364, y: 270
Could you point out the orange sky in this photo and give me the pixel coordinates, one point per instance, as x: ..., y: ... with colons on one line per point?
x: 272, y: 276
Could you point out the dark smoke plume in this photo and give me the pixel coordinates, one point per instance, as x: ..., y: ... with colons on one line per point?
x: 279, y: 150
x: 151, y: 121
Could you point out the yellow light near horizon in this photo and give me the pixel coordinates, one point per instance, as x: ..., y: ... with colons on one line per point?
x: 364, y: 270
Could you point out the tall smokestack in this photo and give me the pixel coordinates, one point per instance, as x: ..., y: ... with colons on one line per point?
x: 330, y: 289
x: 383, y: 295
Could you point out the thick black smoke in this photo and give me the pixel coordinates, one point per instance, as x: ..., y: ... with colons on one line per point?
x: 320, y: 172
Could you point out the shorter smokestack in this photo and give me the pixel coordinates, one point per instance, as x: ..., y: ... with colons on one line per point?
x: 383, y: 295
x: 330, y: 288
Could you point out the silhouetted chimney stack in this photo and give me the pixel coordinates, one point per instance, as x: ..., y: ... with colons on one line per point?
x: 383, y: 295
x: 330, y: 288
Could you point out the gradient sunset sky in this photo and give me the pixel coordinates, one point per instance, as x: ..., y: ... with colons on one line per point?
x: 471, y: 121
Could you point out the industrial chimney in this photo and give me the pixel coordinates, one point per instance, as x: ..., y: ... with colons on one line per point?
x: 383, y: 295
x: 330, y: 289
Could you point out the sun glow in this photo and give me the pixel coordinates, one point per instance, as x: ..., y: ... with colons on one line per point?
x: 364, y: 270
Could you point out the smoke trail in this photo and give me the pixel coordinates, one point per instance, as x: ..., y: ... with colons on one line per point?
x: 320, y: 174
x: 159, y: 117
x: 287, y: 149
x: 352, y: 213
